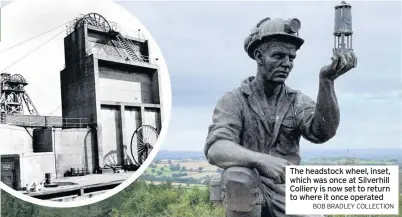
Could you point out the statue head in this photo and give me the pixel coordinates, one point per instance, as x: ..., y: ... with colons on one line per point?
x: 273, y: 45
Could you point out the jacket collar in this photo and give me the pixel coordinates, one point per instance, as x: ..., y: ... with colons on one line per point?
x: 258, y: 102
x: 249, y: 87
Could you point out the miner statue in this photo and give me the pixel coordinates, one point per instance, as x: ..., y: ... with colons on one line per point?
x: 257, y: 127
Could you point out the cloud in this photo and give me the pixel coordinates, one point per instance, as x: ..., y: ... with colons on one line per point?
x: 204, y: 40
x: 388, y: 98
x: 188, y: 127
x: 203, y: 45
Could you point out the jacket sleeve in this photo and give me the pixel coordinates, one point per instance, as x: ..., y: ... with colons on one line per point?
x: 304, y: 111
x: 227, y: 121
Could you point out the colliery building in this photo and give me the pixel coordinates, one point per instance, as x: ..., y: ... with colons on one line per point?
x: 111, y: 111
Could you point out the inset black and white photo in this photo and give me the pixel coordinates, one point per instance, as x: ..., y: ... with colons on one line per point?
x: 84, y: 99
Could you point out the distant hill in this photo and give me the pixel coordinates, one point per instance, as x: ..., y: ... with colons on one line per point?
x: 165, y: 154
x: 312, y: 153
x: 375, y: 154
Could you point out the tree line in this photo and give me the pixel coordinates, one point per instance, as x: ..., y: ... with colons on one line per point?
x: 140, y: 199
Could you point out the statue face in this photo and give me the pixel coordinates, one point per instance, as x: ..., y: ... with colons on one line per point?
x: 276, y: 60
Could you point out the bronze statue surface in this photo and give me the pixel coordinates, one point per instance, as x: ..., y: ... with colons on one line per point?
x: 257, y: 127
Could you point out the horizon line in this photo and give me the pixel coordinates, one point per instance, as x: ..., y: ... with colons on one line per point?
x: 308, y: 149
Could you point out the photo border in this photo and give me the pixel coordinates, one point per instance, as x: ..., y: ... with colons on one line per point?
x: 166, y: 108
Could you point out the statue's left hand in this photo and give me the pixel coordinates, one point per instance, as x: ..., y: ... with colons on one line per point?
x: 343, y: 60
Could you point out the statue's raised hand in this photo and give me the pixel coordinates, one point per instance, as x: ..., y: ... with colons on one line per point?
x: 343, y: 60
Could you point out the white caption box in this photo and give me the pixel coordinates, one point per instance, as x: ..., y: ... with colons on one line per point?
x: 343, y: 192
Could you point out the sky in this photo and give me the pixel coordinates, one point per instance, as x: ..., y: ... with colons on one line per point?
x: 203, y: 46
x: 202, y: 43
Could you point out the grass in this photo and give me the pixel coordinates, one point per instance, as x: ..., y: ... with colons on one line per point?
x: 164, y: 173
x: 180, y: 184
x: 211, y: 171
x: 202, y: 174
x: 194, y: 165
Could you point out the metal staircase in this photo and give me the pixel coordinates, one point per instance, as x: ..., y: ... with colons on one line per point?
x: 121, y: 48
x: 111, y: 50
x: 125, y: 44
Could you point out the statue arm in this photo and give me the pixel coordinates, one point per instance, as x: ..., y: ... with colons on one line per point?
x: 324, y: 121
x: 226, y: 154
x: 319, y: 121
x: 326, y: 118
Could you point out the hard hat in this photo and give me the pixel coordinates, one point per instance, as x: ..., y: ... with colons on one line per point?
x: 268, y: 28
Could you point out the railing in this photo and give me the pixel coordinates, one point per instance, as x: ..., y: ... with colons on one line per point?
x: 108, y: 50
x: 112, y: 48
x: 75, y: 122
x: 44, y: 121
x: 145, y: 59
x: 70, y: 27
x: 138, y: 37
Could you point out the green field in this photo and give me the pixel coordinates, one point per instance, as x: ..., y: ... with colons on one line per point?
x: 200, y: 171
x: 201, y: 177
x: 149, y: 198
x: 192, y: 171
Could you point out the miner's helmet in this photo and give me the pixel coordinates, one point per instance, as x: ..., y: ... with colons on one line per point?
x: 266, y: 29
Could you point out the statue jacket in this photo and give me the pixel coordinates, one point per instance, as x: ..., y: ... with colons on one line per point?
x: 243, y: 117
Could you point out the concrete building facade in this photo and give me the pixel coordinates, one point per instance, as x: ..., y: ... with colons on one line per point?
x: 110, y: 87
x: 110, y: 80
